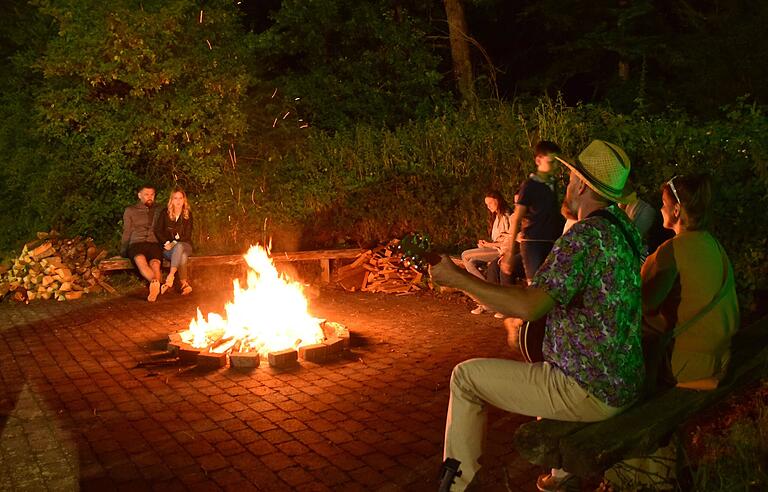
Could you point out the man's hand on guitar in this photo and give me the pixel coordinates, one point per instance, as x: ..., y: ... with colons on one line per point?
x: 513, y: 325
x: 446, y: 273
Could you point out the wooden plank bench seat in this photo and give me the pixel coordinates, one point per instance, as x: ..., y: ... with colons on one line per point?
x: 588, y: 450
x: 324, y: 257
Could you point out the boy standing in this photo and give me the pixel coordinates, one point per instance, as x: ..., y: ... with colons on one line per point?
x: 537, y: 213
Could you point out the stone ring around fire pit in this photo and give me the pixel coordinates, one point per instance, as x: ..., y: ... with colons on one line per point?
x: 224, y: 350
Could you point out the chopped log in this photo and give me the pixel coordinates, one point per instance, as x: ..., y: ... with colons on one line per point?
x: 5, y: 287
x: 53, y: 261
x: 45, y: 249
x: 19, y: 294
x: 70, y: 296
x: 65, y: 274
x: 104, y: 285
x: 351, y: 281
x: 355, y: 264
x: 53, y: 265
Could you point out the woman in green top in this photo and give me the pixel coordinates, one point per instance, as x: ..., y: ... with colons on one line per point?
x: 688, y: 287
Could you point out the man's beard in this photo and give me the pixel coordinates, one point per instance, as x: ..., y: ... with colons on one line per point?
x: 568, y: 209
x: 149, y: 203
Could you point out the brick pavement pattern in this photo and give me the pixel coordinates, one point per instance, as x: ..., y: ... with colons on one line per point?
x: 76, y: 413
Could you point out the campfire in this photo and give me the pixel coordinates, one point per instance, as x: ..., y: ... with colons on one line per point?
x: 268, y: 319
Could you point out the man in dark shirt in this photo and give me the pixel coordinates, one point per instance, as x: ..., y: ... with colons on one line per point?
x: 139, y: 242
x: 537, y: 213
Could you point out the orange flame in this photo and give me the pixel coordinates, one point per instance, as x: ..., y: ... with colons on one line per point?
x: 269, y: 315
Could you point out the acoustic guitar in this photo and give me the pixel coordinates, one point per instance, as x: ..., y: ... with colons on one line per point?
x: 526, y: 338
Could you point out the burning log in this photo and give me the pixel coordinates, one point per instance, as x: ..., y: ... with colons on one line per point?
x: 331, y: 329
x: 52, y: 267
x: 268, y: 319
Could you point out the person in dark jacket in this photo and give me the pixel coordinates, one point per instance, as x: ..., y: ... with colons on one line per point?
x: 174, y: 232
x: 537, y: 222
x: 139, y: 242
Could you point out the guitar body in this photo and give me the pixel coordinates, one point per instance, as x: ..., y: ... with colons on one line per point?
x: 526, y: 338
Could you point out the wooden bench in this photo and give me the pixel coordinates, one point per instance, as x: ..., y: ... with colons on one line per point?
x: 324, y: 257
x: 588, y: 450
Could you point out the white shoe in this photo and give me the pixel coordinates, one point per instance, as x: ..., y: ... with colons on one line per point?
x: 480, y: 309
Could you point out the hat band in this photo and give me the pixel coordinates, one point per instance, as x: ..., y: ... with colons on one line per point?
x: 604, y: 188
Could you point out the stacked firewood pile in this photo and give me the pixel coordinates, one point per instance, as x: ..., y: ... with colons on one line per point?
x: 381, y: 269
x: 53, y: 267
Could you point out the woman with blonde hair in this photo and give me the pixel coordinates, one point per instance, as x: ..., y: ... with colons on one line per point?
x: 174, y: 232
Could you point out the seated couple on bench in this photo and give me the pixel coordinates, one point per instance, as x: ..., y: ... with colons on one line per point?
x: 599, y: 306
x: 151, y: 233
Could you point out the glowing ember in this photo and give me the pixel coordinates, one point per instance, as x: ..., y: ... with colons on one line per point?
x: 268, y: 316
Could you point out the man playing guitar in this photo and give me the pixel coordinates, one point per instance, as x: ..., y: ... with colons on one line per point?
x: 589, y: 290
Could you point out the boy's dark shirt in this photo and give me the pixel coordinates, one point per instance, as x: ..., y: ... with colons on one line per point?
x: 542, y: 221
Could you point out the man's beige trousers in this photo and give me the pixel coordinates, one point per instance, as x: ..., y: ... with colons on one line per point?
x: 538, y: 390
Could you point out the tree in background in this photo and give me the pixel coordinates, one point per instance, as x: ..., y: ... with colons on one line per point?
x: 350, y: 61
x: 23, y: 34
x: 128, y: 92
x: 462, y: 61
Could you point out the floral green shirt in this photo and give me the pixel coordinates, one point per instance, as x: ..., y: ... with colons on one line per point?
x: 593, y: 334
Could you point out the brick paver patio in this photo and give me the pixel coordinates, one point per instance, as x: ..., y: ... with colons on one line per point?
x: 77, y: 413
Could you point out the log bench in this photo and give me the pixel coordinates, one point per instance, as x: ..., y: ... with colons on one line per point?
x: 588, y: 450
x: 324, y: 257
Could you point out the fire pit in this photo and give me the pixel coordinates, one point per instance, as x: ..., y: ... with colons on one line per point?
x: 266, y: 320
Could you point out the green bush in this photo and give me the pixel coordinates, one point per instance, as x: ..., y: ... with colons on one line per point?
x: 366, y: 184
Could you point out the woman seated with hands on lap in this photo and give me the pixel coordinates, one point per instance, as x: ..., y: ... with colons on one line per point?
x: 688, y: 288
x: 173, y: 229
x: 690, y: 313
x: 499, y: 215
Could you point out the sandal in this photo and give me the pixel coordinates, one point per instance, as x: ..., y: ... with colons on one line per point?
x: 186, y: 289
